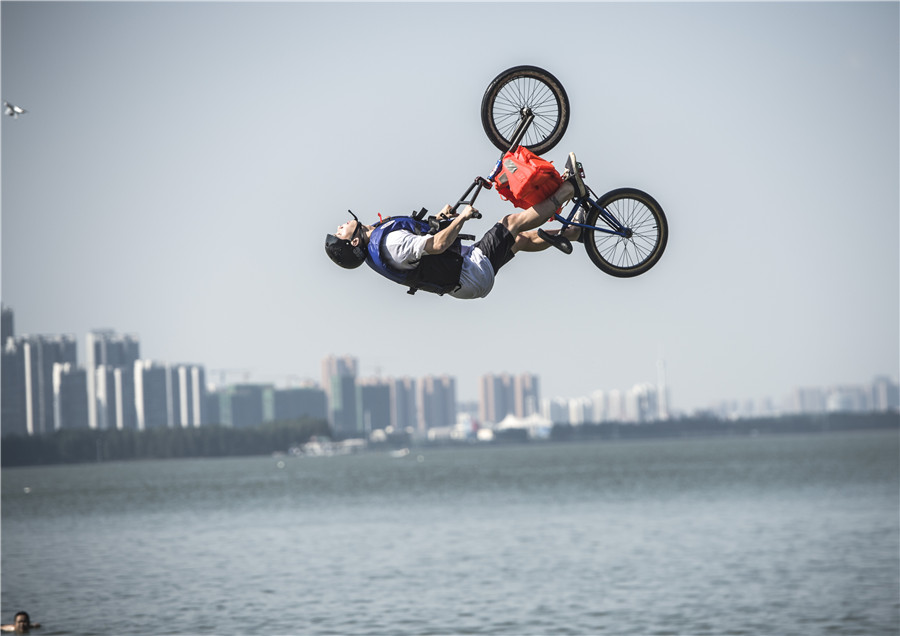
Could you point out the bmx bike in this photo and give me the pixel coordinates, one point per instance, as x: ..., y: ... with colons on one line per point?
x: 624, y: 231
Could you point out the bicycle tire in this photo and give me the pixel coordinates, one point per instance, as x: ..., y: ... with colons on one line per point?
x: 620, y: 256
x: 516, y: 88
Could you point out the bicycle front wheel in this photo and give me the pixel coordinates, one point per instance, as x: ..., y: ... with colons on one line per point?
x: 643, y: 234
x: 517, y: 88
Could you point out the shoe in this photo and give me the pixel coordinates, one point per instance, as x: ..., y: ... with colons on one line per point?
x: 558, y: 241
x: 575, y: 176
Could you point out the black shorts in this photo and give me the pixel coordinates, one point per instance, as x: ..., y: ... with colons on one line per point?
x: 496, y: 245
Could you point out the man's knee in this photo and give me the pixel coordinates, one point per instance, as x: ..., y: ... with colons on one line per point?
x: 524, y: 241
x: 512, y: 222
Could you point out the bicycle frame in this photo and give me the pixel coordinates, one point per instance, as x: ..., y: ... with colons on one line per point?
x: 615, y: 227
x: 481, y: 182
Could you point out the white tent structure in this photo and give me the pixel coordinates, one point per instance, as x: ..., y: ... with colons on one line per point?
x: 537, y: 425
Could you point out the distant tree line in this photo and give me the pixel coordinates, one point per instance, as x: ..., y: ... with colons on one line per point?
x: 75, y: 446
x: 709, y: 425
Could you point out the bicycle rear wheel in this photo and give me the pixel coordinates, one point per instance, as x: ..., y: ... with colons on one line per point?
x: 517, y: 88
x: 647, y: 233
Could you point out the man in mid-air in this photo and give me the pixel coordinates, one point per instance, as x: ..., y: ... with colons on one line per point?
x: 403, y: 250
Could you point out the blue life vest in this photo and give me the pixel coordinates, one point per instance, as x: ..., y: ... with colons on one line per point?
x: 435, y: 273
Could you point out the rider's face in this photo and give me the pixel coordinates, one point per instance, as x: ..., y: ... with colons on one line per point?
x: 347, y: 230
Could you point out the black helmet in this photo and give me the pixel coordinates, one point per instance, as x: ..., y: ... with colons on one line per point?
x: 343, y: 252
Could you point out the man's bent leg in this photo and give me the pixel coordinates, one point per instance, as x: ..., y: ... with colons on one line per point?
x: 529, y: 241
x: 498, y: 245
x: 538, y: 214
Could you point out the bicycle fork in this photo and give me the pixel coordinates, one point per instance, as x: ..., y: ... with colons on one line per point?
x: 480, y: 182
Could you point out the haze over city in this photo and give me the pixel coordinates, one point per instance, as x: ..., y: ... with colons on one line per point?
x: 179, y: 165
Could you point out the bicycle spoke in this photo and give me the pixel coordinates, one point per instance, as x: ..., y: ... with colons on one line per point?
x: 522, y: 88
x: 627, y: 253
x: 538, y: 130
x: 531, y: 93
x: 637, y: 234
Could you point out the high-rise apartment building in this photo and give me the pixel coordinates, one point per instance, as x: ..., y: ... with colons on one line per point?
x: 373, y: 399
x: 885, y: 395
x: 496, y: 397
x: 107, y: 351
x: 338, y: 366
x: 107, y: 397
x: 27, y: 378
x: 343, y: 407
x: 615, y: 406
x: 526, y: 395
x: 847, y: 399
x: 40, y: 353
x: 241, y: 405
x: 189, y: 398
x: 662, y: 390
x: 125, y: 416
x: 12, y: 401
x: 213, y: 408
x: 557, y: 410
x: 808, y: 400
x: 437, y: 402
x: 339, y: 381
x: 404, y: 409
x: 642, y: 403
x: 69, y: 397
x: 7, y: 329
x: 581, y: 410
x: 283, y: 405
x: 152, y: 395
x: 599, y: 402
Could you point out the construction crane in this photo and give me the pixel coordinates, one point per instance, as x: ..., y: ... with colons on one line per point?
x: 225, y: 373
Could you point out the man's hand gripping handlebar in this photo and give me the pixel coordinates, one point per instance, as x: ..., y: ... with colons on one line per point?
x: 468, y: 212
x: 452, y: 223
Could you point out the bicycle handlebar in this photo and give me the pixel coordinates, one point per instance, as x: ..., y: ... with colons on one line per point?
x: 527, y: 116
x: 477, y: 185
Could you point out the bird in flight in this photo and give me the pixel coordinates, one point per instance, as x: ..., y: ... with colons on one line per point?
x: 14, y: 111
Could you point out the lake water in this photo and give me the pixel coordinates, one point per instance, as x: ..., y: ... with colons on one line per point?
x: 769, y: 535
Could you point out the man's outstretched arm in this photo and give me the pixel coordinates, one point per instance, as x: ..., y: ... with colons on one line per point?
x: 441, y: 241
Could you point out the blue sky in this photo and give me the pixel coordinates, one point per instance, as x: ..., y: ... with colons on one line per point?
x: 180, y: 164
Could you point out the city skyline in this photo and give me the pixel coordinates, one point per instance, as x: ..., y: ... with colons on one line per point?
x: 499, y: 393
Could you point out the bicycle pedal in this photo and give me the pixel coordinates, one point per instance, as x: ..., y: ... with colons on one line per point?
x: 558, y: 241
